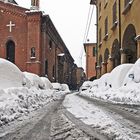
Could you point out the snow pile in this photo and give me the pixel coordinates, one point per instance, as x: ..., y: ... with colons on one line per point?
x: 17, y: 102
x: 118, y: 74
x: 122, y: 85
x: 47, y: 83
x: 33, y: 80
x: 21, y: 93
x: 61, y: 87
x: 64, y: 87
x: 56, y: 86
x: 10, y: 75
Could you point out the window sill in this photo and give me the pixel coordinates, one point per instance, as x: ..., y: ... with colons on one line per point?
x: 32, y: 58
x: 114, y: 25
x: 100, y: 44
x: 99, y: 16
x: 106, y: 37
x: 105, y: 5
x: 127, y: 7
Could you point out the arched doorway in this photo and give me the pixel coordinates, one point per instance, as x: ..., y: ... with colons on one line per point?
x: 115, y: 53
x: 129, y: 44
x: 10, y: 51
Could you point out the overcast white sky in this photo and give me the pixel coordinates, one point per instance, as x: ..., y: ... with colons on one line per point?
x: 70, y: 19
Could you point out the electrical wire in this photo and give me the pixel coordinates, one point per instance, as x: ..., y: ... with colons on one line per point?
x: 88, y: 24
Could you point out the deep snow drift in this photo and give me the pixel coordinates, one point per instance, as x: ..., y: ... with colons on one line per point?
x: 122, y: 85
x: 21, y: 93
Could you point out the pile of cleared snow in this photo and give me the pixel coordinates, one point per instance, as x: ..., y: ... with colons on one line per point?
x: 122, y: 85
x: 10, y: 75
x: 118, y: 74
x: 47, y: 83
x: 33, y: 80
x: 17, y: 102
x: 21, y: 93
x: 64, y: 87
x: 61, y: 87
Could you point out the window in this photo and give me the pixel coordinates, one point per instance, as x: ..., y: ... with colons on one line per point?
x: 106, y: 29
x: 105, y: 3
x: 46, y: 67
x: 50, y: 44
x: 127, y: 6
x: 33, y: 52
x: 99, y: 7
x: 126, y: 2
x: 34, y: 2
x: 106, y: 25
x: 114, y: 12
x: 94, y: 51
x: 100, y: 36
x: 53, y: 72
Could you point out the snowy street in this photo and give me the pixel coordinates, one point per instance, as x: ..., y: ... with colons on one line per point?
x: 77, y: 118
x: 50, y: 122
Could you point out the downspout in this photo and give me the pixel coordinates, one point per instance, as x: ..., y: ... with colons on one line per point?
x: 120, y: 41
x: 96, y: 37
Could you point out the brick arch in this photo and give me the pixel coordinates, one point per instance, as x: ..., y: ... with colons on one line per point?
x: 129, y: 44
x: 115, y: 53
x: 10, y: 51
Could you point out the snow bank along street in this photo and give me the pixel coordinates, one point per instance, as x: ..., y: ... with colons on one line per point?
x: 23, y: 92
x: 122, y: 85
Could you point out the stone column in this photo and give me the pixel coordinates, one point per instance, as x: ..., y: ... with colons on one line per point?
x: 123, y: 56
x: 98, y: 71
x: 110, y: 64
x: 104, y: 68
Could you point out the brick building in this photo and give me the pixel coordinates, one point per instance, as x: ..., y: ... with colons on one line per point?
x: 30, y: 40
x: 81, y: 76
x: 118, y: 33
x: 90, y: 50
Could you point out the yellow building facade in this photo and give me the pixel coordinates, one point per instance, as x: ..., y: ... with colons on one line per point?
x: 118, y: 33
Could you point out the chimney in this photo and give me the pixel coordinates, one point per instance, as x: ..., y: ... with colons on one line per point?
x: 34, y: 5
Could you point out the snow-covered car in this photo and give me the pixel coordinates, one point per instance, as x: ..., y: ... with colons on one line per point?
x: 57, y: 86
x: 85, y: 85
x: 65, y: 87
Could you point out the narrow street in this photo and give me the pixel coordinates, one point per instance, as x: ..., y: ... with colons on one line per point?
x: 56, y: 122
x: 52, y: 122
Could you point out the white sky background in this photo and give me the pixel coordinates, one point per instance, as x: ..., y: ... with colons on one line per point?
x: 70, y: 19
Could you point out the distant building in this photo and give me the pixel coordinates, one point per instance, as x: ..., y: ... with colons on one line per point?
x: 90, y: 50
x: 118, y: 33
x: 30, y: 40
x: 81, y: 76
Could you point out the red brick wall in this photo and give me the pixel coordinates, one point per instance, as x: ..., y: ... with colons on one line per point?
x: 25, y: 34
x: 90, y: 61
x: 17, y: 35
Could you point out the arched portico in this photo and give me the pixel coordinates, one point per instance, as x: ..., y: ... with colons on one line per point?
x: 115, y: 53
x: 129, y: 45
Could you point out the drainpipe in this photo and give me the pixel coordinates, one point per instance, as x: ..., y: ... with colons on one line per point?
x: 120, y: 41
x: 96, y: 37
